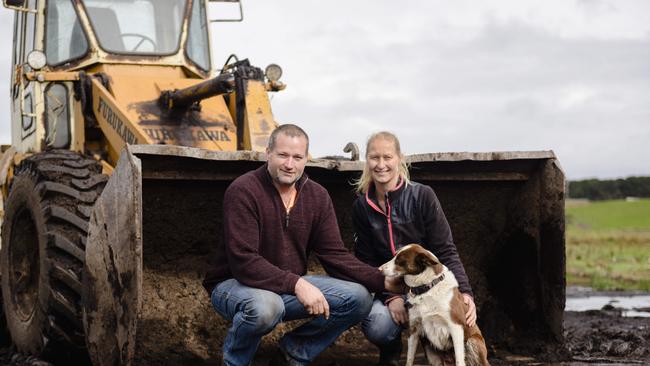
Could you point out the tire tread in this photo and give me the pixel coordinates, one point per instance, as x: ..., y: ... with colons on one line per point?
x: 66, y: 184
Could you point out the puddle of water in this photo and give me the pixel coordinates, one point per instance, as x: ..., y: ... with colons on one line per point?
x: 635, y: 314
x: 629, y: 304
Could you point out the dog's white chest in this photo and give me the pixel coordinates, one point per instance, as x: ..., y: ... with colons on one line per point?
x: 436, y: 330
x: 431, y: 312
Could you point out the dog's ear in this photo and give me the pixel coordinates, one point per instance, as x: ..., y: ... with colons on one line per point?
x: 426, y: 259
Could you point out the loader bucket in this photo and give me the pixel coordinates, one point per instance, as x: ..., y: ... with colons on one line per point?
x: 155, y: 227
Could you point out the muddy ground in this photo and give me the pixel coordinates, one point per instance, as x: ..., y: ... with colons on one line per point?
x: 606, y: 335
x: 598, y: 337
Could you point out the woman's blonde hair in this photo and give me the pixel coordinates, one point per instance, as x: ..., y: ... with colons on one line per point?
x: 362, y: 185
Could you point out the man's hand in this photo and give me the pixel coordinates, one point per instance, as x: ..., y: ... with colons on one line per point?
x: 398, y: 311
x: 470, y: 316
x: 312, y: 298
x: 395, y: 285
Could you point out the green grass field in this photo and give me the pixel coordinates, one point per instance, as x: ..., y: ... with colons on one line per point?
x: 608, y: 244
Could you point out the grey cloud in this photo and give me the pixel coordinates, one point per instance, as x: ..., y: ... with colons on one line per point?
x: 516, y: 58
x: 592, y: 7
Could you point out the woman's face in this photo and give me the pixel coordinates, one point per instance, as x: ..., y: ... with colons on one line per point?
x: 383, y: 162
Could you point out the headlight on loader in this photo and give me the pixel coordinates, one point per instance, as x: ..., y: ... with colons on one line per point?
x: 273, y: 72
x: 36, y: 60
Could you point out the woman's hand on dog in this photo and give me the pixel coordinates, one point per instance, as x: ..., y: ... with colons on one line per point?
x: 470, y: 316
x: 398, y: 311
x: 312, y: 298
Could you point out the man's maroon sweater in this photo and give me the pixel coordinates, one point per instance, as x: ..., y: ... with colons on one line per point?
x: 264, y: 247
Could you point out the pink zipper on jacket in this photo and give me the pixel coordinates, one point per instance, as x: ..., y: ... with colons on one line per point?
x: 386, y: 214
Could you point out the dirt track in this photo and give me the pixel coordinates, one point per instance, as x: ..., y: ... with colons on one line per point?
x: 601, y: 337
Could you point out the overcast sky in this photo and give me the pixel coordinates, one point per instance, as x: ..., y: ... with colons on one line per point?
x: 572, y: 76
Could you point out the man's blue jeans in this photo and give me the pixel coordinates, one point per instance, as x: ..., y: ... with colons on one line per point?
x: 255, y: 312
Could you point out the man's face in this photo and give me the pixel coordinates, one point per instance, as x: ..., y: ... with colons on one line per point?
x: 286, y: 162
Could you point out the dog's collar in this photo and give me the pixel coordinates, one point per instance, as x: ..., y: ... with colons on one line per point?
x: 419, y: 290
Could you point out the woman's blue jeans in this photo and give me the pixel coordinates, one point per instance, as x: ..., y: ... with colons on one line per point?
x: 255, y: 312
x: 380, y: 329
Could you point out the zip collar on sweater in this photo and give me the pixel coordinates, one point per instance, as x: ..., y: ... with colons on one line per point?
x: 265, y: 177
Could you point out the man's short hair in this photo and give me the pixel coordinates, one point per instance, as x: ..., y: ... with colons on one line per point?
x: 290, y: 130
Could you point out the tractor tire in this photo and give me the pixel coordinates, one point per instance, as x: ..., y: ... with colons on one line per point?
x: 43, y: 251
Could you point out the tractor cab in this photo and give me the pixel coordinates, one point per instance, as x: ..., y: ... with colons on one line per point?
x: 54, y: 40
x: 76, y: 34
x: 87, y: 76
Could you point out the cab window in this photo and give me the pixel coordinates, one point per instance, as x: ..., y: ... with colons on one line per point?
x: 151, y: 27
x: 197, y: 43
x: 65, y: 39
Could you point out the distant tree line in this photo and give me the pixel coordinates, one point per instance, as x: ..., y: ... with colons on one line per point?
x: 595, y: 189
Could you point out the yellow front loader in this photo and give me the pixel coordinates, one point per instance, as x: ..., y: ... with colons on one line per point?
x: 124, y: 139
